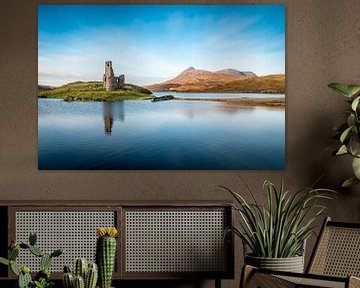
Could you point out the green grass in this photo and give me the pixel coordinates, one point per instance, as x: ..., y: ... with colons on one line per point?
x: 94, y: 91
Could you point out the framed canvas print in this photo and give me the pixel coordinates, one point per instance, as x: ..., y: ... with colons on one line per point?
x: 161, y: 87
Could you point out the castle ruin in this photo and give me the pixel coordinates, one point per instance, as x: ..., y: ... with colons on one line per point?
x: 110, y: 82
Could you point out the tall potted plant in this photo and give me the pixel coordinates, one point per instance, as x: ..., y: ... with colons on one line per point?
x: 276, y: 233
x: 348, y: 132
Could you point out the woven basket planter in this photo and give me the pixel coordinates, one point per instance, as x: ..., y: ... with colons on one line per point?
x: 291, y: 264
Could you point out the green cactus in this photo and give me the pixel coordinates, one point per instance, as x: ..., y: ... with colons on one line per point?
x: 14, y: 268
x: 25, y: 269
x: 80, y: 267
x: 4, y: 261
x: 92, y: 266
x: 68, y: 280
x: 67, y: 269
x: 36, y: 251
x: 32, y: 238
x: 42, y: 278
x: 45, y: 261
x: 24, y: 280
x: 13, y: 253
x: 57, y: 252
x: 91, y: 276
x: 105, y: 255
x: 87, y: 272
x: 79, y: 282
x: 24, y: 245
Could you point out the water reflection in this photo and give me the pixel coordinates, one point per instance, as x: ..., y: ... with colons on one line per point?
x: 112, y: 111
x: 108, y: 118
x: 189, y: 135
x: 224, y: 108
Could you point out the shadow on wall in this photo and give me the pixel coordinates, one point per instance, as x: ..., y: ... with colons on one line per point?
x: 333, y: 169
x: 318, y: 163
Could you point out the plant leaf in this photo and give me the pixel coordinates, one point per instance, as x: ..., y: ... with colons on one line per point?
x: 356, y: 167
x: 354, y: 144
x: 349, y: 182
x: 353, y: 89
x: 351, y: 120
x: 340, y: 88
x: 342, y: 150
x: 345, y: 134
x: 279, y: 228
x: 355, y: 103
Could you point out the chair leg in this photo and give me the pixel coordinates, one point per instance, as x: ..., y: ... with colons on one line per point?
x: 246, y: 274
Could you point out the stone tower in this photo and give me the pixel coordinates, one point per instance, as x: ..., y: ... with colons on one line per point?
x: 110, y: 82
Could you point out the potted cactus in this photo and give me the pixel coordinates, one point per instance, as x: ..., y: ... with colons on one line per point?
x: 106, y: 254
x: 85, y: 275
x: 42, y: 278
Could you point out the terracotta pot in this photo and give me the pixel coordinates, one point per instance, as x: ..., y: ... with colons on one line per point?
x: 291, y: 264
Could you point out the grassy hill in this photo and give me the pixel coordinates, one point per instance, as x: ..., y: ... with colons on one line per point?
x: 263, y: 84
x: 94, y: 91
x: 223, y: 81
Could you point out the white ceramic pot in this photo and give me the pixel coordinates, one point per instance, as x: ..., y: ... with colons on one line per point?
x: 291, y: 264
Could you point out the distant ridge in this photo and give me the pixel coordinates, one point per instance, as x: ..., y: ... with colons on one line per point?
x: 188, y: 70
x: 236, y: 72
x: 45, y: 87
x: 225, y: 81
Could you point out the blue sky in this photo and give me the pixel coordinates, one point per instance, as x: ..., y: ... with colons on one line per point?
x: 152, y: 43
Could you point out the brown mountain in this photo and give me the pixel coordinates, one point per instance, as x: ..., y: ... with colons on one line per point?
x: 227, y: 80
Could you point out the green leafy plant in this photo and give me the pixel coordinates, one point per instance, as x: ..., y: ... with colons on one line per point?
x: 348, y: 132
x: 43, y: 283
x: 279, y: 229
x: 42, y: 278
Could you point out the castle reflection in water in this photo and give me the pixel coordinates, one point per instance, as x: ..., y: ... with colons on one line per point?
x: 112, y: 111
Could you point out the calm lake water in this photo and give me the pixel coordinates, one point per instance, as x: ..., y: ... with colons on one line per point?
x: 192, y: 135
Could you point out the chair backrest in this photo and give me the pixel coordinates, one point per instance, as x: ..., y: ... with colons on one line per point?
x: 337, y: 251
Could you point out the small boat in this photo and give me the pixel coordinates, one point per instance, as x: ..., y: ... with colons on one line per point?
x: 163, y: 98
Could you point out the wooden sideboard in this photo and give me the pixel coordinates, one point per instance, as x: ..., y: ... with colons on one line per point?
x: 157, y: 240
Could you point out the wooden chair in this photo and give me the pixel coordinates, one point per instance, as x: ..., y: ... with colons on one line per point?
x: 335, y: 262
